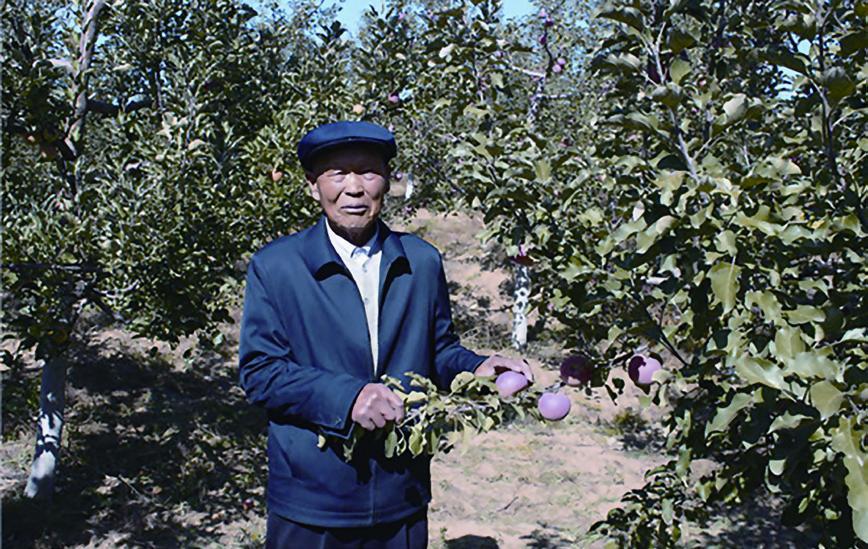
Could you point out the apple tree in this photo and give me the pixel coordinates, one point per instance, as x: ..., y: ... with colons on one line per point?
x: 129, y: 184
x: 730, y: 233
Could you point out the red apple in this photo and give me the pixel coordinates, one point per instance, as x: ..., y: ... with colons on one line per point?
x: 523, y: 257
x: 576, y: 370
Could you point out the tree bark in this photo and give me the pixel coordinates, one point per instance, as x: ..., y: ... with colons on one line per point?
x: 49, y: 430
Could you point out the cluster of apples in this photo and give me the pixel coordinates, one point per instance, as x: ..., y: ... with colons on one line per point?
x: 576, y: 371
x: 552, y: 406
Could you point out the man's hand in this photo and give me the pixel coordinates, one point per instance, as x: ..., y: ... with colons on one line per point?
x: 497, y: 364
x: 376, y: 405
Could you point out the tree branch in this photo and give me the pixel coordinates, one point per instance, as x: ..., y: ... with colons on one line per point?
x: 103, y: 107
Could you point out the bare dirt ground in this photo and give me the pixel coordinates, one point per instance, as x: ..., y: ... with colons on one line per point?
x: 163, y: 451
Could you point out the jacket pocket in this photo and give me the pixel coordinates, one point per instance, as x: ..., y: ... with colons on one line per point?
x: 318, y: 469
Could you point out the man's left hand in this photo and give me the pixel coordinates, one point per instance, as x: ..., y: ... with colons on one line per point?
x: 497, y: 364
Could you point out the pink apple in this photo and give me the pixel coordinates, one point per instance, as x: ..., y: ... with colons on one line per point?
x: 554, y: 406
x: 641, y: 368
x: 509, y: 382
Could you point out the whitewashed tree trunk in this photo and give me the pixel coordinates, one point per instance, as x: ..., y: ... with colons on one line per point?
x: 48, y: 430
x: 519, y: 308
x: 40, y: 484
x: 408, y: 190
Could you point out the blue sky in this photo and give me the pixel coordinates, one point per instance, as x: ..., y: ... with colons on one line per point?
x: 352, y: 10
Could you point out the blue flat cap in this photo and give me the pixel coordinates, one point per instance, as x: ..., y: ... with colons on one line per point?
x: 343, y: 133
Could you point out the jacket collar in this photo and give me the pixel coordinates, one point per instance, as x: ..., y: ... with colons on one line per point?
x: 319, y: 253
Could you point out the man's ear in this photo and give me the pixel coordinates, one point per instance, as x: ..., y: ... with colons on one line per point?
x: 312, y: 186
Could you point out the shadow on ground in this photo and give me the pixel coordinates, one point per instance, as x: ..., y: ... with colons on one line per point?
x: 154, y: 456
x: 755, y: 524
x: 547, y: 537
x: 472, y: 542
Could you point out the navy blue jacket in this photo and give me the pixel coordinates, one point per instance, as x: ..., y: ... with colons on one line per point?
x: 305, y: 354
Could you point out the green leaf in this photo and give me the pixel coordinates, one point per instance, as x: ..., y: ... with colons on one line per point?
x: 543, y: 171
x: 855, y: 334
x: 759, y: 370
x: 735, y: 109
x: 811, y: 364
x: 666, y: 510
x: 725, y: 415
x: 390, y: 443
x: 776, y: 466
x: 785, y: 58
x: 724, y: 283
x: 804, y: 314
x: 846, y: 441
x: 680, y: 40
x: 787, y: 421
x: 669, y: 95
x: 461, y: 380
x: 446, y: 52
x: 625, y: 62
x: 725, y: 242
x: 826, y: 398
x: 678, y: 70
x: 838, y: 83
x: 788, y: 342
x: 415, y: 397
x: 627, y: 15
x: 417, y: 441
x: 769, y: 305
x: 853, y: 42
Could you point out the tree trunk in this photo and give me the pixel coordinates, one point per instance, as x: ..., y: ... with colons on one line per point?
x: 408, y: 190
x: 48, y: 430
x: 519, y: 308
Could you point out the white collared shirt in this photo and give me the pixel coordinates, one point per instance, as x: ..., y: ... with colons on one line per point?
x: 364, y: 265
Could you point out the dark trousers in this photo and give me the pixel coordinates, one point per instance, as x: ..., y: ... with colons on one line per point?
x: 410, y: 533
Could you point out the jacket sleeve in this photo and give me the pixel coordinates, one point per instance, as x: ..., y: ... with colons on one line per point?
x: 273, y: 380
x: 450, y: 357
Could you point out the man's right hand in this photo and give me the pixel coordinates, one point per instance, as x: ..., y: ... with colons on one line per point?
x: 376, y: 405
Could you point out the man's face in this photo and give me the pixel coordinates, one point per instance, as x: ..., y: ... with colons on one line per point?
x: 350, y: 183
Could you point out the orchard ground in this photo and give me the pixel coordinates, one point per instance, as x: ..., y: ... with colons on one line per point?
x: 163, y: 451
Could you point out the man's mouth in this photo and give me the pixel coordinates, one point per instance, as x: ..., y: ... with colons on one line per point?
x: 359, y: 208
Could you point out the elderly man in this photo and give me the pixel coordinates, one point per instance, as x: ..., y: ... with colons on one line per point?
x: 327, y: 311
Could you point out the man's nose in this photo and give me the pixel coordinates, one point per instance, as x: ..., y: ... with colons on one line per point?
x: 354, y: 183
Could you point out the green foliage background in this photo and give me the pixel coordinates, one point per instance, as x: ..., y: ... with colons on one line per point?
x: 687, y: 176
